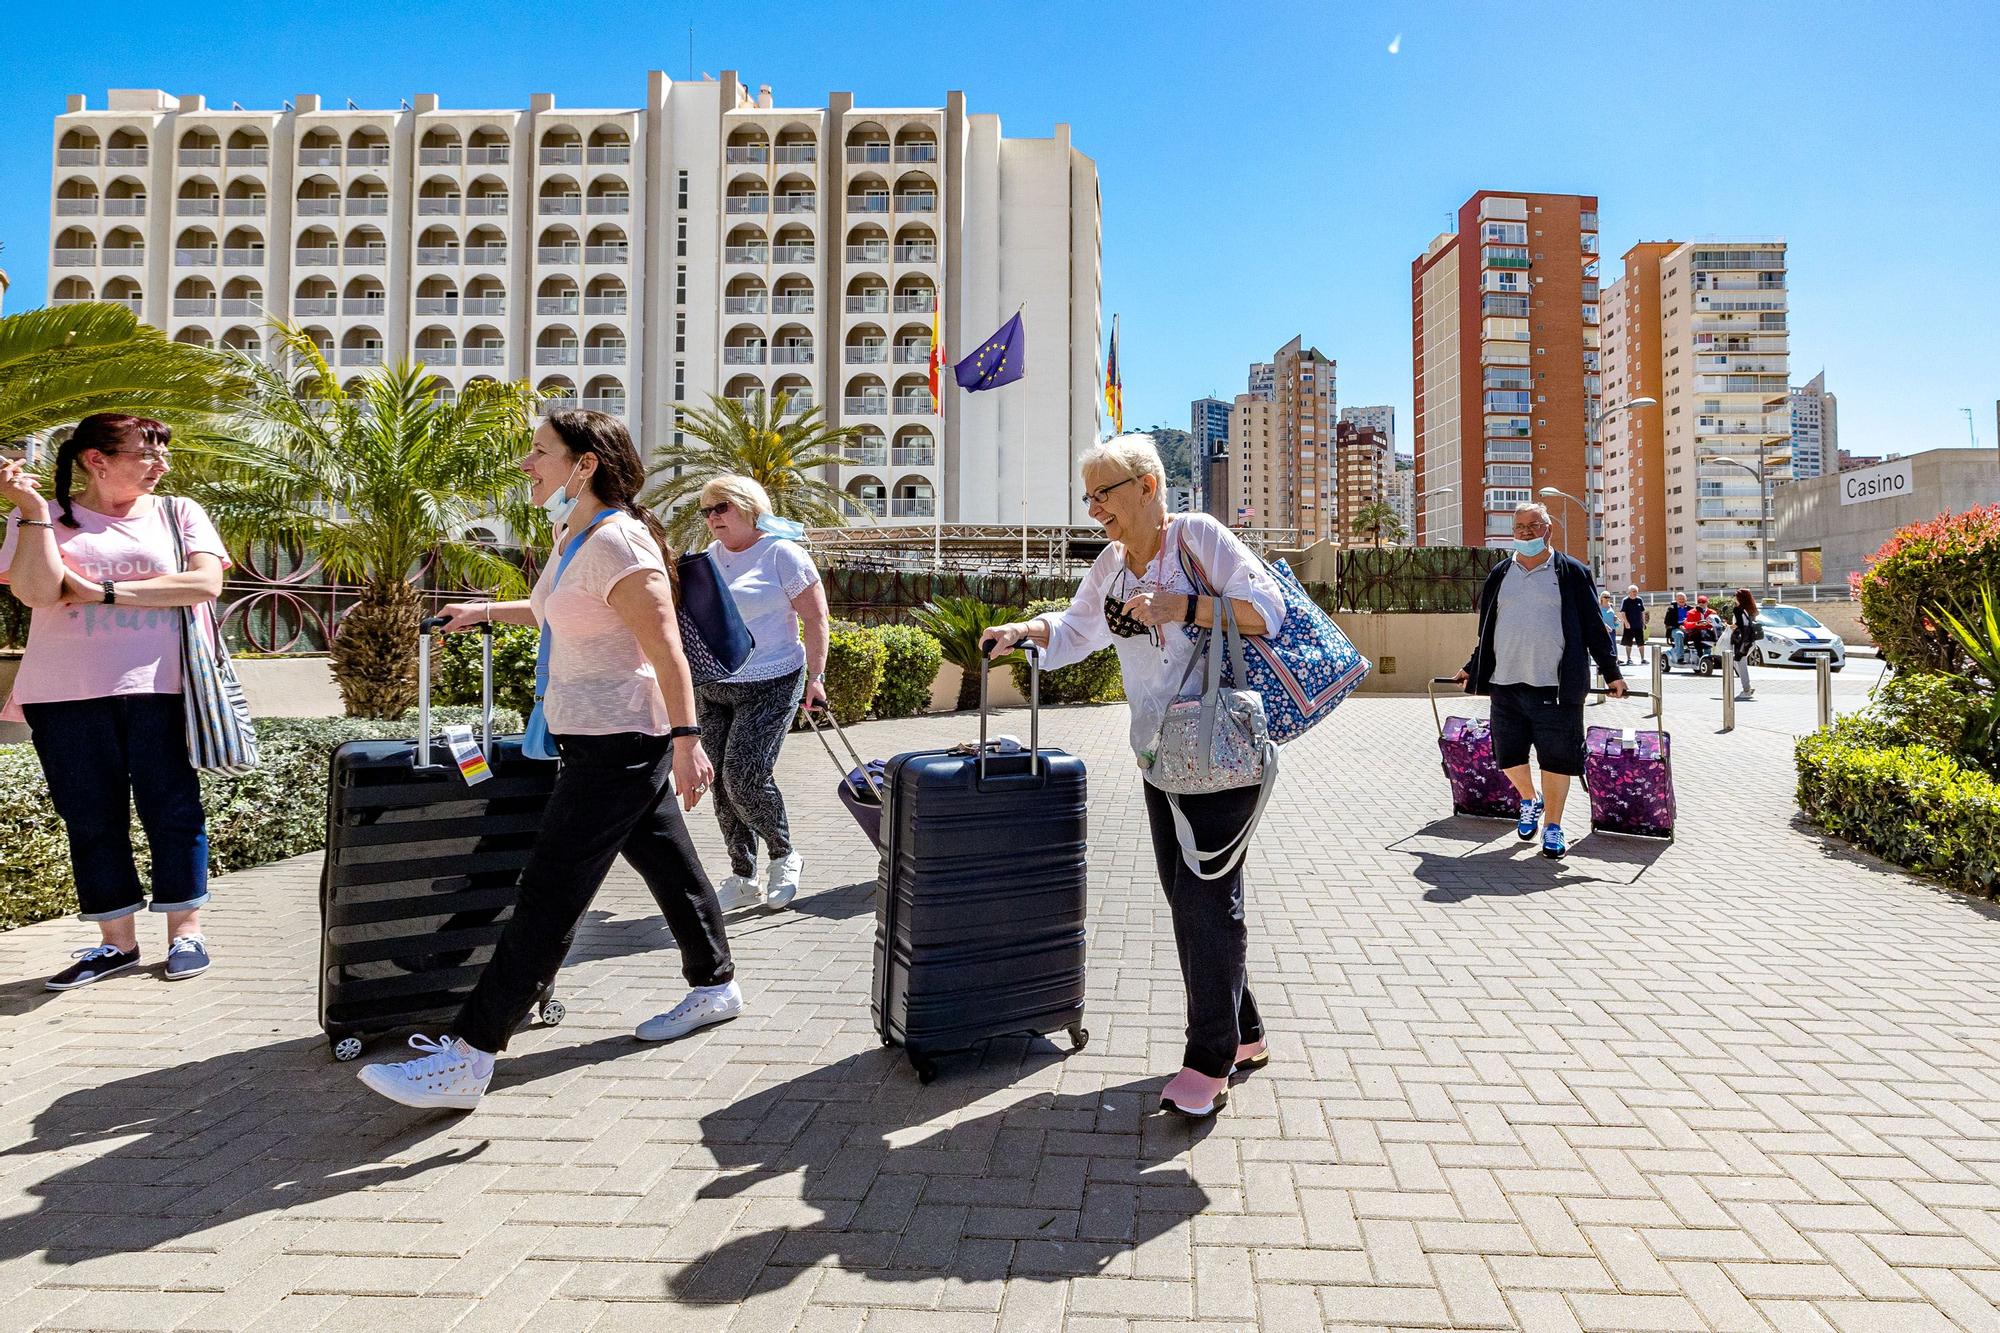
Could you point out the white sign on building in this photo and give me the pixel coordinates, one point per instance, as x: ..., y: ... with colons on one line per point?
x: 1883, y: 482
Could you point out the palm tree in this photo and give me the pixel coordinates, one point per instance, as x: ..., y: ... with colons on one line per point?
x: 379, y: 482
x: 61, y: 364
x: 764, y: 441
x: 1377, y: 520
x: 957, y: 624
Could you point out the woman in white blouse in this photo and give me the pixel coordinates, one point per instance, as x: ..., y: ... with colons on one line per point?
x: 1139, y: 599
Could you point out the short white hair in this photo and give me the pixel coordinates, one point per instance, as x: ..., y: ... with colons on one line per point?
x: 1535, y: 507
x: 1134, y: 455
x: 746, y: 493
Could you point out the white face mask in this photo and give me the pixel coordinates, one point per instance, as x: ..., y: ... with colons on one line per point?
x: 561, y: 502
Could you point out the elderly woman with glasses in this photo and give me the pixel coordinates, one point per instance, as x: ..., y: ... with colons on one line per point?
x: 1140, y: 598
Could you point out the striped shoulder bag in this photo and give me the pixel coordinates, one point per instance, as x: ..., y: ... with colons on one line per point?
x: 220, y: 735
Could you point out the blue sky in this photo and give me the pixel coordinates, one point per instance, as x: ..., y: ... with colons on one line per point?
x: 1267, y: 171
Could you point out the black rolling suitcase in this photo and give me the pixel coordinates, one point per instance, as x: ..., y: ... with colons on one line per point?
x: 422, y: 870
x: 979, y: 907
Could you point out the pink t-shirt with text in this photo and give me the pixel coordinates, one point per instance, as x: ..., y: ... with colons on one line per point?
x: 92, y: 651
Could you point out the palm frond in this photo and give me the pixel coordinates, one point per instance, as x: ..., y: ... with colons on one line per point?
x: 64, y: 363
x: 780, y: 450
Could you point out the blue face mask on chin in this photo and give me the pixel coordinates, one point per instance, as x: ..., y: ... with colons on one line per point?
x: 1530, y: 546
x: 559, y: 504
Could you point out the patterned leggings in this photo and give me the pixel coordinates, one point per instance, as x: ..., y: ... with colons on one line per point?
x: 743, y: 726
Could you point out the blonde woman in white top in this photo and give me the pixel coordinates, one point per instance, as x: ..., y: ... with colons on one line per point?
x: 1138, y: 599
x: 620, y: 709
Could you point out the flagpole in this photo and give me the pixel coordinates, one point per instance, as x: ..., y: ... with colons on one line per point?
x: 937, y: 492
x: 1022, y: 315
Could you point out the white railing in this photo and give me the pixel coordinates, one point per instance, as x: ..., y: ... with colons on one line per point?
x: 742, y: 356
x: 125, y: 157
x: 558, y: 254
x: 485, y: 254
x: 615, y: 154
x: 610, y: 205
x: 747, y: 203
x: 76, y: 157
x: 248, y: 157
x: 797, y: 203
x: 604, y: 356
x: 368, y: 205
x: 796, y: 253
x: 240, y: 256
x: 437, y: 356
x: 914, y: 457
x: 491, y: 156
x: 869, y: 405
x: 560, y: 205
x: 865, y: 457
x: 560, y: 403
x: 877, y: 304
x: 360, y: 356
x: 745, y: 305
x: 922, y: 506
x: 745, y: 254
x: 910, y: 354
x: 917, y: 152
x: 437, y: 305
x: 447, y: 156
x: 431, y: 256
x: 315, y: 305
x: 486, y: 205
x: 198, y: 208
x: 483, y: 356
x: 364, y: 305
x: 614, y: 404
x: 914, y: 404
x: 252, y: 206
x: 916, y: 203
x: 799, y: 401
x: 856, y: 505
x: 555, y: 356
x: 916, y: 254
x: 364, y: 254
x: 242, y: 308
x: 485, y: 305
x: 132, y: 206
x: 869, y: 252
x: 566, y: 155
x: 442, y: 205
x: 368, y: 157
x: 191, y: 258
x: 201, y: 157
x: 867, y: 354
x: 76, y: 208
x: 791, y: 356
x: 791, y: 305
x: 319, y: 157
x: 799, y: 153
x: 868, y: 152
x: 607, y: 254
x: 867, y: 203
x: 186, y: 308
x: 557, y: 305
x: 916, y: 304
x: 326, y: 207
x: 745, y: 153
x: 606, y: 305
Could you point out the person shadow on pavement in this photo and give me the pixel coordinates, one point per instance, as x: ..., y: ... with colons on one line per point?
x: 909, y: 1187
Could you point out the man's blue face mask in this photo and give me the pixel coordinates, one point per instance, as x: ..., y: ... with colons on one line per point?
x: 1530, y: 546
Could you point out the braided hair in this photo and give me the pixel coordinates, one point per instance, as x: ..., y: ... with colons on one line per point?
x: 108, y: 433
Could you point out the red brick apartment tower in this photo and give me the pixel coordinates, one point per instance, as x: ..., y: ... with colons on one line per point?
x: 1635, y: 456
x: 1504, y: 346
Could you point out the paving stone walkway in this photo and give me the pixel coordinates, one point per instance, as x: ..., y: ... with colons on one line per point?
x: 1750, y: 1080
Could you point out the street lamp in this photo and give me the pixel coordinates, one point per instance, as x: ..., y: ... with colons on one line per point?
x: 1435, y: 490
x: 1763, y: 509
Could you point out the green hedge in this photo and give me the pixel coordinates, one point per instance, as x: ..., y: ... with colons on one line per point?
x: 1094, y: 680
x: 455, y: 667
x: 912, y: 663
x: 855, y: 660
x: 1912, y: 804
x: 276, y: 811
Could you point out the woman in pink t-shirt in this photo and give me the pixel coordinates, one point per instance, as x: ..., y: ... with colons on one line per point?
x: 620, y: 710
x: 100, y: 682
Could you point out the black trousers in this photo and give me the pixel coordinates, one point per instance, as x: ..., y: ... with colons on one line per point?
x: 613, y: 796
x: 1209, y: 931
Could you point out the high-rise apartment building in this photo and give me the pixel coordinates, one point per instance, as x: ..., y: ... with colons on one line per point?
x: 1815, y: 429
x: 629, y: 259
x: 1281, y: 446
x: 1403, y: 496
x: 1263, y: 380
x: 1363, y: 465
x: 1505, y: 349
x: 1380, y: 419
x: 1702, y: 327
x: 1208, y: 423
x: 1255, y: 492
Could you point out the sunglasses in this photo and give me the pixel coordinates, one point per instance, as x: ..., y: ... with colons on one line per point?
x: 149, y: 454
x: 719, y: 507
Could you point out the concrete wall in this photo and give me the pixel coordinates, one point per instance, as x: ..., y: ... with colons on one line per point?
x: 1407, y: 648
x: 1808, y: 515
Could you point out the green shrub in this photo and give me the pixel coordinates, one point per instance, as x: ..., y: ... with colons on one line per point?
x: 275, y: 811
x: 910, y: 665
x: 1094, y: 680
x: 455, y: 668
x: 854, y: 662
x: 1943, y: 562
x: 1912, y: 804
x: 1925, y: 708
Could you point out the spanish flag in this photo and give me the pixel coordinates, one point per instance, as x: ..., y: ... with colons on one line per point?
x: 937, y: 355
x: 1114, y: 387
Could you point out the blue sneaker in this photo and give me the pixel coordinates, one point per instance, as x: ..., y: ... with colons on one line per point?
x: 1554, y: 845
x: 1531, y: 819
x: 187, y: 958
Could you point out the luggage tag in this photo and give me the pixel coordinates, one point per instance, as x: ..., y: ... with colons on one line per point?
x: 1629, y: 738
x: 472, y: 765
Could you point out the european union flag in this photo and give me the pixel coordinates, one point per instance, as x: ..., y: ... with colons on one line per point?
x: 1000, y: 360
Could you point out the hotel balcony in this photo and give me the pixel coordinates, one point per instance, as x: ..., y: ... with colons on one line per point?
x: 791, y: 356
x: 197, y: 207
x: 315, y: 305
x: 607, y: 254
x: 194, y: 308
x: 251, y: 206
x: 556, y: 356
x: 746, y: 305
x: 911, y: 355
x: 914, y: 405
x: 743, y: 356
x: 749, y: 154
x: 76, y: 208
x: 609, y: 403
x: 125, y: 157
x: 874, y: 303
x: 923, y: 253
x: 604, y: 356
x: 609, y: 155
x: 863, y: 455
x: 914, y: 457
x: 872, y: 252
x: 869, y: 405
x: 796, y: 253
x: 436, y: 356
x: 916, y: 303
x: 561, y: 155
x: 76, y: 157
x: 791, y: 305
x: 199, y: 258
x: 483, y: 356
x: 867, y: 354
x: 918, y: 506
x: 360, y: 356
x: 319, y: 157
x: 746, y: 254
x: 200, y: 157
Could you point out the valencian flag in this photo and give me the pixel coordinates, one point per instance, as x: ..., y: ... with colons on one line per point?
x: 999, y: 360
x: 936, y: 357
x: 1114, y: 385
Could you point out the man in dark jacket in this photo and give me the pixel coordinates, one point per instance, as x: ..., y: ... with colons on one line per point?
x: 1539, y: 630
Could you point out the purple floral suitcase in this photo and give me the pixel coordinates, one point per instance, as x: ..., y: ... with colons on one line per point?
x: 1630, y: 777
x: 1478, y: 787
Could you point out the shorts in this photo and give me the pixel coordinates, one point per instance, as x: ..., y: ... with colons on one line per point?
x: 1531, y: 716
x: 1633, y: 638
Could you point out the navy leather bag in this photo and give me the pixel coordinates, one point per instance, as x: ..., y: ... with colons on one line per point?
x: 713, y: 636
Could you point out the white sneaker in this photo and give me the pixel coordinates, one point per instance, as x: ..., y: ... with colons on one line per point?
x: 451, y: 1074
x: 738, y: 891
x: 703, y: 1005
x: 781, y: 879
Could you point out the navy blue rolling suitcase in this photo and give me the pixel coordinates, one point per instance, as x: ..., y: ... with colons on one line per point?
x: 979, y: 906
x: 422, y: 871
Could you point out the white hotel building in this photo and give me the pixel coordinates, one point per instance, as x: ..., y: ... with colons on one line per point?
x: 628, y: 259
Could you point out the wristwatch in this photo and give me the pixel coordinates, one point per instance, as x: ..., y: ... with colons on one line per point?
x: 110, y: 592
x: 819, y: 676
x: 675, y: 733
x: 1193, y: 602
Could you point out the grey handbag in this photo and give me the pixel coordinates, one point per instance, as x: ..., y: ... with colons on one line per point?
x: 1218, y: 742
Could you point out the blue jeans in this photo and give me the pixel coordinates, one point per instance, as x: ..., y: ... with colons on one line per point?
x: 1680, y: 639
x: 104, y: 756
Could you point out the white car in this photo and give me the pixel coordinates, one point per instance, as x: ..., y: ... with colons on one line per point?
x: 1793, y: 638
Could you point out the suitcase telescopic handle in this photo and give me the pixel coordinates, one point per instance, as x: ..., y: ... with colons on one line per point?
x: 424, y: 628
x: 1432, y: 691
x: 1033, y: 652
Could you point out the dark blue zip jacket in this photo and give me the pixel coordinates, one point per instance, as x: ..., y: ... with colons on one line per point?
x: 1584, y: 635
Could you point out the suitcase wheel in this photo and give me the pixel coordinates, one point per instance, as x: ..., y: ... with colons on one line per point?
x: 1079, y: 1037
x: 553, y: 1013
x: 346, y: 1048
x: 927, y: 1070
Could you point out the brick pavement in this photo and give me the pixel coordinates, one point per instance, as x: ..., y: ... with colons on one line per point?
x: 1750, y: 1080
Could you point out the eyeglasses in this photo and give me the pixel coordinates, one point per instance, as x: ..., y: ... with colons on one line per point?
x: 149, y: 453
x: 719, y: 507
x: 1096, y: 497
